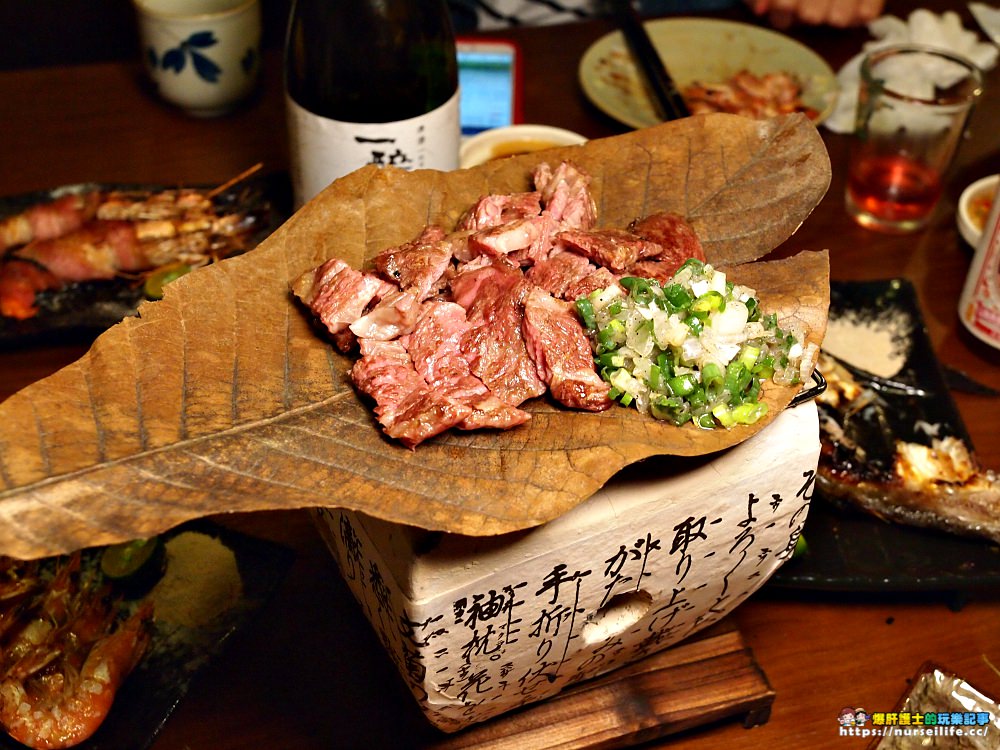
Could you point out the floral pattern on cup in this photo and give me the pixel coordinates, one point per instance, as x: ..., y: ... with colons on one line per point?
x: 208, y: 70
x: 201, y: 55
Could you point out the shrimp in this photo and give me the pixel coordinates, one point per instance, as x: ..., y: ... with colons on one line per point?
x: 17, y: 578
x: 51, y: 611
x: 59, y: 708
x: 19, y: 583
x: 61, y: 669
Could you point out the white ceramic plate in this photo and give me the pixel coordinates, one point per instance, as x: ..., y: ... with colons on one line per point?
x: 699, y: 49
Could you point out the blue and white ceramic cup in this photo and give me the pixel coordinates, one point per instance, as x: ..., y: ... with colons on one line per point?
x: 202, y: 55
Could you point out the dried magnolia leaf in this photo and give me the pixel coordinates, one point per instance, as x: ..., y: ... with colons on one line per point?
x: 223, y: 398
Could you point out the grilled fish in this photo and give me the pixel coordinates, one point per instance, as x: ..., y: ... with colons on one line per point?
x: 935, y: 484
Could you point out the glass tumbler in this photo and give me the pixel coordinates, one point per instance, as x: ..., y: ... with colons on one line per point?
x: 913, y: 105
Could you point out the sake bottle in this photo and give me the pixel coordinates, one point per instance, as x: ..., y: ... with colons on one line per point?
x: 369, y: 82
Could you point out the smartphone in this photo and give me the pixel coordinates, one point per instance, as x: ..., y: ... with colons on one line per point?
x: 489, y: 76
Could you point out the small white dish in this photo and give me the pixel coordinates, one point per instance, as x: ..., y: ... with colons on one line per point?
x: 498, y: 143
x: 974, y: 208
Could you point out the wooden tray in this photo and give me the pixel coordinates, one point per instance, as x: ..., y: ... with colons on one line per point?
x: 710, y: 677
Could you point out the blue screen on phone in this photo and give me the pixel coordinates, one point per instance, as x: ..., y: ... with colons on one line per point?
x: 486, y: 79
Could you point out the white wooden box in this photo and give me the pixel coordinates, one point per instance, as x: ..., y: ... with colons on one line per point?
x: 480, y: 625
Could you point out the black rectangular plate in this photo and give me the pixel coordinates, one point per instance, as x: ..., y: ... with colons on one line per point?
x: 849, y: 550
x: 173, y: 659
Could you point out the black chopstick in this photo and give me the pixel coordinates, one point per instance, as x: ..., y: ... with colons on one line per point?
x: 668, y: 101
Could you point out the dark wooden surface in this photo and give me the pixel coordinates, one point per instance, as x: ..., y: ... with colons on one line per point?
x: 309, y: 674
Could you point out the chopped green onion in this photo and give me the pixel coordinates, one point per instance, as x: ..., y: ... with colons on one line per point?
x: 682, y: 385
x: 697, y: 398
x: 611, y: 359
x: 704, y: 421
x: 748, y: 356
x: 694, y: 264
x: 712, y: 378
x: 695, y: 367
x: 586, y: 310
x: 724, y: 414
x: 749, y: 412
x: 655, y: 378
x: 708, y: 302
x: 678, y: 296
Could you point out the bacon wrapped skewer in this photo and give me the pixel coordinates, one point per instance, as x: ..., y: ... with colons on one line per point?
x: 103, y: 235
x: 44, y: 221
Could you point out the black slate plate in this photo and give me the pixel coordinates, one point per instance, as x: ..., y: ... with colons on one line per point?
x: 852, y: 551
x: 179, y: 650
x: 83, y: 310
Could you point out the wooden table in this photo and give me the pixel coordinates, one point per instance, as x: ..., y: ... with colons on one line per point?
x: 309, y: 673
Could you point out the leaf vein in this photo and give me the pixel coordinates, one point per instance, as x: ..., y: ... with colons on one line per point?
x: 180, y: 445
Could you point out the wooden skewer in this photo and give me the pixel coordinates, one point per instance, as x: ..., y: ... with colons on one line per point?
x: 234, y: 180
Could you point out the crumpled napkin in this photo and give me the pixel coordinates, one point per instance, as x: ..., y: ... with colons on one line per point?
x: 921, y: 27
x: 988, y: 18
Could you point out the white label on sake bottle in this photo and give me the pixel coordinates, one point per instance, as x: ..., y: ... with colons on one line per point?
x: 323, y: 149
x: 979, y: 305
